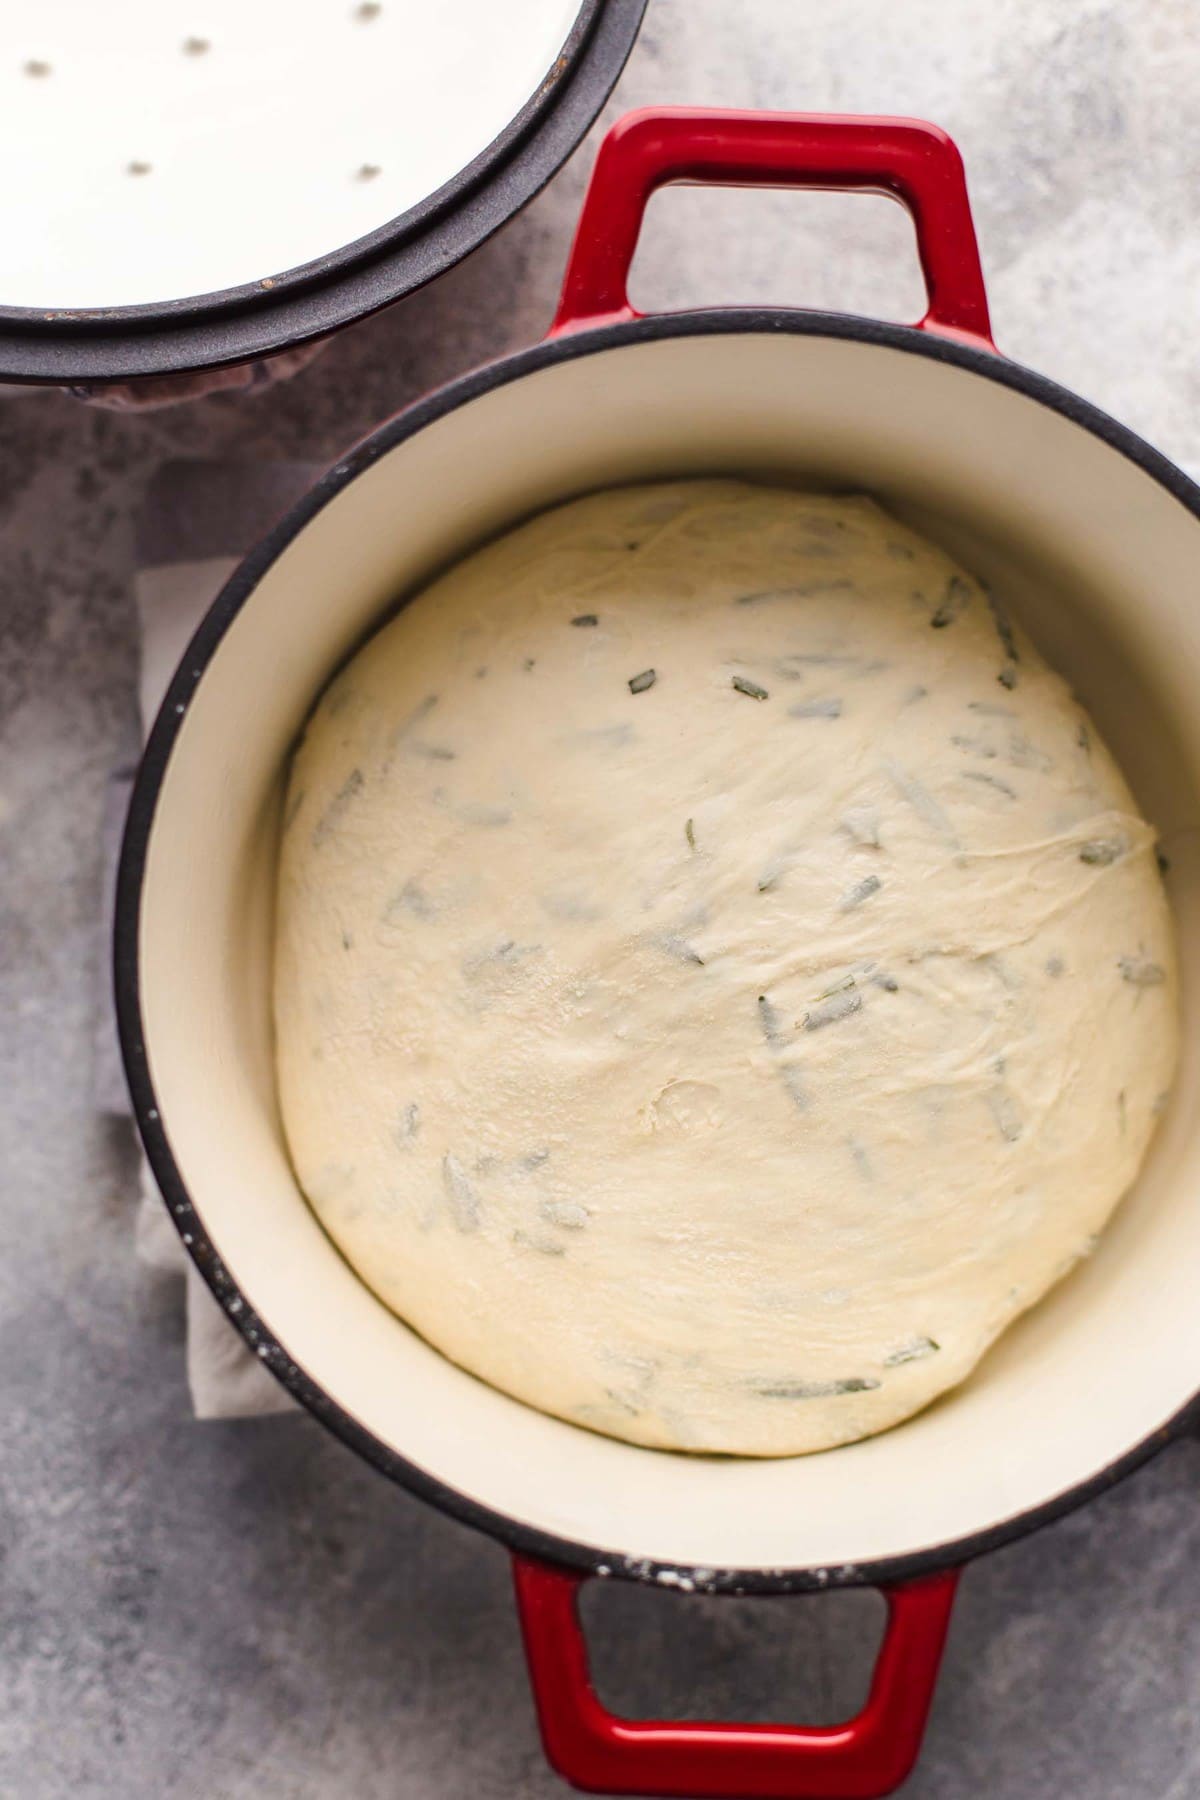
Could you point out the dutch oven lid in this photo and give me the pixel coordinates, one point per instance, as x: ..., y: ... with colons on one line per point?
x: 204, y: 181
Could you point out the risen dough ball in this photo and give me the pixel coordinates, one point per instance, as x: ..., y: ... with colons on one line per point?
x: 722, y: 977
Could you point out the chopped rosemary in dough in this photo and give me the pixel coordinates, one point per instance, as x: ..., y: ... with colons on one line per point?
x: 722, y: 1077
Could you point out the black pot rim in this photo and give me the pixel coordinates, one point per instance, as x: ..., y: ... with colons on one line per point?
x: 62, y: 346
x: 516, y: 1535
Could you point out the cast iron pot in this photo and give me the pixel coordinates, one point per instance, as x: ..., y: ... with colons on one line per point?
x: 70, y: 346
x: 1092, y: 534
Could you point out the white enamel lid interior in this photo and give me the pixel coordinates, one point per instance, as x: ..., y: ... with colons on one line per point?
x: 1102, y: 564
x: 161, y: 149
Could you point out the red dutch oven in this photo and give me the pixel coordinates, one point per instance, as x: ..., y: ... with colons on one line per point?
x: 1095, y: 538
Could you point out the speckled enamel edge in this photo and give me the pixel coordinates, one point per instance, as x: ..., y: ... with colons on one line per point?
x: 510, y: 1531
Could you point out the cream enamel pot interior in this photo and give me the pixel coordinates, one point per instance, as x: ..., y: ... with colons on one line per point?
x: 1095, y: 537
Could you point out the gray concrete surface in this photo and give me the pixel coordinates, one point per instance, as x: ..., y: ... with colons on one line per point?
x: 223, y: 1611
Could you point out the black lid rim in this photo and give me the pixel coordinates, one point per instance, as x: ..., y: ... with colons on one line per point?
x: 63, y: 347
x: 518, y: 1536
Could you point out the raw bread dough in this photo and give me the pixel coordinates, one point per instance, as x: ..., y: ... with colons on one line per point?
x: 722, y: 977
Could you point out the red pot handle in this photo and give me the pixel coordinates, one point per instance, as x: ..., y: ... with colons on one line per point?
x: 914, y: 161
x: 868, y: 1756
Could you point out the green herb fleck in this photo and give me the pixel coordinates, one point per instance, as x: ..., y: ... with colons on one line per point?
x: 639, y: 683
x: 585, y: 619
x: 610, y: 737
x: 466, y: 1208
x: 1140, y: 972
x: 1007, y: 678
x: 1003, y: 1109
x: 953, y: 603
x: 1055, y: 966
x: 570, y: 907
x: 328, y: 822
x: 862, y: 1161
x: 623, y: 1401
x: 337, y: 697
x: 838, y: 987
x: 778, y: 866
x: 689, y: 832
x: 838, y: 1005
x: 744, y: 685
x: 769, y: 1019
x: 293, y: 809
x: 816, y: 709
x: 773, y: 1031
x: 814, y: 1390
x: 1024, y: 755
x: 913, y: 1351
x: 794, y: 665
x: 681, y: 950
x: 793, y: 1083
x: 1098, y: 853
x: 783, y: 593
x: 861, y: 825
x: 921, y: 801
x: 992, y: 781
x: 543, y: 1246
x: 568, y: 1215
x: 410, y: 1123
x: 490, y: 817
x: 1005, y: 633
x: 411, y: 899
x: 973, y: 746
x: 505, y: 955
x: 862, y: 890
